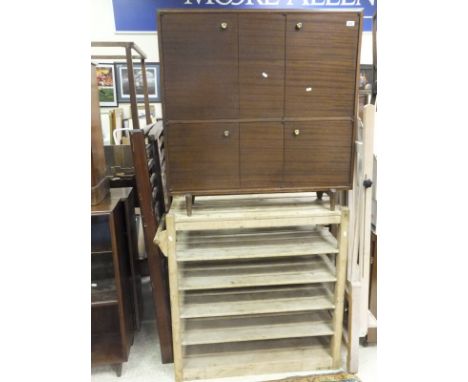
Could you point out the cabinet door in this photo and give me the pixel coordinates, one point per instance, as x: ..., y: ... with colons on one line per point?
x: 261, y: 148
x: 261, y: 65
x: 318, y: 154
x: 200, y: 66
x: 321, y: 59
x: 203, y: 156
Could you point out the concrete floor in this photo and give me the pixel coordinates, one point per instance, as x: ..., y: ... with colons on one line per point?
x: 144, y: 363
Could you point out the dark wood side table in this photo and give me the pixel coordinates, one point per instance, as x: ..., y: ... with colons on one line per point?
x: 115, y: 302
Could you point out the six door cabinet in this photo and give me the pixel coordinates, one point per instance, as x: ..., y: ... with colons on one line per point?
x: 259, y: 101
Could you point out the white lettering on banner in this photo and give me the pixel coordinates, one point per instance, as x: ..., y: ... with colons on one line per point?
x: 350, y: 2
x: 344, y: 3
x: 207, y: 2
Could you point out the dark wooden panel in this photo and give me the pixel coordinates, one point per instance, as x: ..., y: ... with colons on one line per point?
x: 156, y: 261
x: 200, y: 66
x: 261, y: 65
x: 320, y: 155
x: 201, y: 157
x: 321, y: 61
x: 261, y: 160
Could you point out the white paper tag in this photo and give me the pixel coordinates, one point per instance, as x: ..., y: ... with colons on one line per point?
x: 350, y: 23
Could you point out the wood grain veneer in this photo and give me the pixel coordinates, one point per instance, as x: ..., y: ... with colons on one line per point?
x: 259, y: 75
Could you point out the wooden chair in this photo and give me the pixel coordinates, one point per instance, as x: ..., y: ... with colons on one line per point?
x: 147, y: 148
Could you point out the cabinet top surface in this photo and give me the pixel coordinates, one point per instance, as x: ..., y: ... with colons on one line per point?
x: 109, y: 203
x: 281, y: 11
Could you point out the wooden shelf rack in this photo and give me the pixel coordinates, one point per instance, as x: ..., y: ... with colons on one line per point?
x: 257, y: 284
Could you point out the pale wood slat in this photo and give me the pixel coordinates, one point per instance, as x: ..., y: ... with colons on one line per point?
x: 251, y: 328
x: 267, y: 272
x: 256, y: 301
x: 194, y: 246
x: 253, y: 358
x: 248, y: 211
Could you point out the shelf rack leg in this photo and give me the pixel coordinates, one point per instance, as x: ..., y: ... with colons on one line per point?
x: 332, y: 194
x: 353, y: 294
x: 340, y: 289
x: 189, y: 199
x: 118, y: 369
x: 174, y: 294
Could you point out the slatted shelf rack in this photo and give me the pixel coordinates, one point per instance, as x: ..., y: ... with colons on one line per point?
x: 257, y: 284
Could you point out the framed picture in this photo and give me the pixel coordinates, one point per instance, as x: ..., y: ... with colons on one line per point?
x: 105, y: 74
x: 152, y: 77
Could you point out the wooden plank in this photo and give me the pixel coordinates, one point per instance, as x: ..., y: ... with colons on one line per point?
x: 246, y: 211
x: 251, y: 244
x: 365, y: 239
x: 340, y: 289
x: 353, y: 295
x: 174, y: 296
x: 260, y: 222
x: 253, y: 358
x: 256, y: 301
x: 263, y: 272
x: 248, y: 328
x: 161, y: 240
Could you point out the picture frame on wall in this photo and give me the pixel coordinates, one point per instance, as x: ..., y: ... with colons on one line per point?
x: 366, y: 78
x: 366, y: 82
x: 152, y: 77
x: 105, y: 74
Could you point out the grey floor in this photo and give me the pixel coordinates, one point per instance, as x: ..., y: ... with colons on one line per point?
x: 144, y: 362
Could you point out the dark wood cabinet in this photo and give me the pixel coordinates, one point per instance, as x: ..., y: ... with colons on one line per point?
x: 321, y: 63
x: 317, y: 152
x: 203, y: 156
x: 115, y: 284
x: 236, y: 87
x: 201, y: 72
x: 261, y: 154
x: 261, y: 65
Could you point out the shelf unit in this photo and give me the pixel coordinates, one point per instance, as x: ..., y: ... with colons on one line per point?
x: 114, y: 286
x: 257, y: 284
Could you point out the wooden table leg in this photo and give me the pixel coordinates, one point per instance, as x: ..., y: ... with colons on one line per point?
x: 189, y: 199
x: 118, y: 369
x: 332, y: 195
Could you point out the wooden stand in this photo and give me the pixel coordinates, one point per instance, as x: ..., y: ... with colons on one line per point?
x: 151, y: 195
x: 99, y: 182
x: 256, y: 284
x: 114, y: 296
x: 358, y: 275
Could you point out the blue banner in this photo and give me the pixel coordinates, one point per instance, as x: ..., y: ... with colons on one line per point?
x: 140, y: 15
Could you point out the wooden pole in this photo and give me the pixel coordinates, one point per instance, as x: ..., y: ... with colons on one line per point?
x: 145, y: 92
x: 132, y: 89
x: 174, y: 293
x: 340, y: 288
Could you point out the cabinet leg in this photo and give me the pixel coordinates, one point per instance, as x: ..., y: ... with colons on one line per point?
x: 319, y: 195
x: 118, y: 369
x: 189, y: 199
x: 332, y: 195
